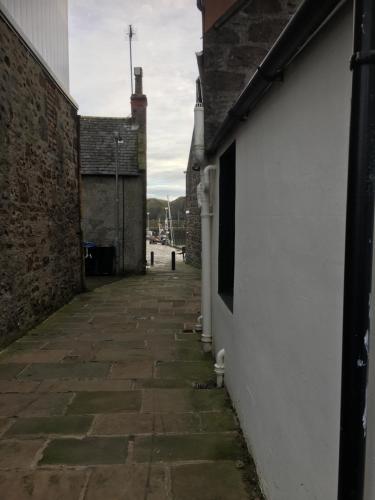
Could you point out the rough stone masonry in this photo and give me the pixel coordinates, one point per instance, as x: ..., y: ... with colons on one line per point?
x: 40, y: 250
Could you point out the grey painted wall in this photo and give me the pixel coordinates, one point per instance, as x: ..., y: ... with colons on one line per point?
x: 98, y: 216
x: 283, y: 341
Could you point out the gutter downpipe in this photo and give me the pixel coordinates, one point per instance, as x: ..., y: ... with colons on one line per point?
x: 203, y: 195
x: 204, y: 192
x: 358, y: 257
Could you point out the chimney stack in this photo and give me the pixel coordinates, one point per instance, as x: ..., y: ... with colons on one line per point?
x: 138, y: 103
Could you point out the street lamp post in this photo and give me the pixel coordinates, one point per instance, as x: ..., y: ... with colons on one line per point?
x: 118, y: 140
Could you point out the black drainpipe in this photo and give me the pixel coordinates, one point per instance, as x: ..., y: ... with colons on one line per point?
x: 358, y: 257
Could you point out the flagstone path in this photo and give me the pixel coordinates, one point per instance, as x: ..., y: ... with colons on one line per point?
x: 99, y: 401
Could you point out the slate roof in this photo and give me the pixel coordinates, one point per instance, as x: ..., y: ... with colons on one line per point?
x: 98, y: 148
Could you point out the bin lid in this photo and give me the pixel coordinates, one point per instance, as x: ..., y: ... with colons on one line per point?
x: 88, y: 244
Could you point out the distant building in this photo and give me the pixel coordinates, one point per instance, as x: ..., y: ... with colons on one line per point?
x: 40, y: 239
x: 105, y: 144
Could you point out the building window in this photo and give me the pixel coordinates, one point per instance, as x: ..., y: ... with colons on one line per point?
x: 227, y: 209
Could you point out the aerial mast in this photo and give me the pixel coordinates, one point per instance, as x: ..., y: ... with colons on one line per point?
x: 130, y: 34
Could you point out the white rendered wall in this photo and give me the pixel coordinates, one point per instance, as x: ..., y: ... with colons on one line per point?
x: 283, y: 341
x: 45, y: 23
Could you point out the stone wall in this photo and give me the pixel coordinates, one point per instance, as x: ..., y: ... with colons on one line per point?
x: 232, y: 50
x: 193, y: 217
x: 40, y: 251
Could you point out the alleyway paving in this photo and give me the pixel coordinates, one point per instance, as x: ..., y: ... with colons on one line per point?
x: 98, y: 402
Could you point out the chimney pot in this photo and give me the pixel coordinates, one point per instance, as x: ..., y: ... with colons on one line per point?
x: 138, y: 74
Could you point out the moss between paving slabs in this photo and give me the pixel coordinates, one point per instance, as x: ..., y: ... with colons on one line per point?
x: 218, y: 481
x: 105, y: 402
x: 88, y: 451
x: 218, y: 422
x: 209, y: 399
x: 195, y: 371
x: 188, y: 447
x: 50, y: 425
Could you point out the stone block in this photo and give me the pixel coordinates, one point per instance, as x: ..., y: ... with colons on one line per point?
x: 45, y: 405
x: 123, y: 424
x: 87, y: 451
x: 10, y: 370
x: 19, y: 454
x: 129, y: 482
x: 12, y: 404
x: 105, y: 402
x: 187, y: 447
x: 218, y: 481
x: 132, y: 369
x: 40, y: 426
x: 43, y: 371
x: 42, y: 484
x: 194, y: 371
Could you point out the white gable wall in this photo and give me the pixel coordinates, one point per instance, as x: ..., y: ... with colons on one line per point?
x: 45, y: 23
x: 283, y: 341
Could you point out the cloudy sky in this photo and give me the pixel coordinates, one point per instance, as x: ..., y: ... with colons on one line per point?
x: 167, y: 37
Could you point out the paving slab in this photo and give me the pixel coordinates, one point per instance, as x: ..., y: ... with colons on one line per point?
x: 218, y: 481
x: 41, y: 426
x: 87, y: 451
x: 123, y: 424
x: 43, y: 371
x: 105, y: 402
x: 188, y: 447
x: 77, y: 385
x: 142, y: 368
x: 10, y: 370
x: 45, y: 405
x: 195, y: 371
x: 43, y: 485
x: 31, y: 356
x: 16, y: 454
x: 11, y: 405
x: 129, y: 482
x: 100, y: 401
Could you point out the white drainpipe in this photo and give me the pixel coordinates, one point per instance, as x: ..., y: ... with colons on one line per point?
x: 203, y: 192
x: 220, y: 368
x: 204, y: 202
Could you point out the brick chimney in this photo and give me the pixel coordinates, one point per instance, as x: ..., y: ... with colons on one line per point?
x: 138, y: 103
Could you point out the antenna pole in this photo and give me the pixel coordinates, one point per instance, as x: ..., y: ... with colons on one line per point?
x: 130, y: 34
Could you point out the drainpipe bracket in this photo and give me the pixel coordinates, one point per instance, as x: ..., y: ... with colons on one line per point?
x: 219, y: 369
x: 362, y: 58
x: 206, y: 339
